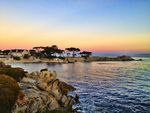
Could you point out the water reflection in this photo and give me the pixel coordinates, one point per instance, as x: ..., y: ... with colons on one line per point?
x: 107, y: 87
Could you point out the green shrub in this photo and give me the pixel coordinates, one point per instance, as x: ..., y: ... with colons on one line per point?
x: 62, y: 58
x: 9, y: 90
x: 16, y: 58
x: 16, y: 73
x: 26, y: 56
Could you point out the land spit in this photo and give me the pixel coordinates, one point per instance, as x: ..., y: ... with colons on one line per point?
x: 69, y: 59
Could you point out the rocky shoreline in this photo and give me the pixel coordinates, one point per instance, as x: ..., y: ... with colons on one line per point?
x: 98, y: 58
x: 72, y: 59
x: 39, y: 92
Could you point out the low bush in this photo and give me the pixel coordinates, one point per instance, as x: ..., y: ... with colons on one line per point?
x: 16, y: 73
x: 16, y: 58
x: 26, y: 56
x: 9, y: 90
x: 62, y: 58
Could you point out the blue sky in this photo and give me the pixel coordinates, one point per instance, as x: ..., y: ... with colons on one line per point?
x: 97, y: 19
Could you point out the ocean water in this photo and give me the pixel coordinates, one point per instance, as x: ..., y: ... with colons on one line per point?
x: 105, y: 87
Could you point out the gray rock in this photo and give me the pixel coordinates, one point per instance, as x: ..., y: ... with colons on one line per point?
x: 41, y: 91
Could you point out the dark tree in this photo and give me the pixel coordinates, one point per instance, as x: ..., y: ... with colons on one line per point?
x: 38, y: 48
x: 49, y: 51
x: 32, y: 52
x: 85, y: 54
x: 59, y: 51
x: 38, y: 51
x: 26, y: 56
x: 6, y: 52
x: 52, y: 51
x: 54, y: 47
x: 73, y: 50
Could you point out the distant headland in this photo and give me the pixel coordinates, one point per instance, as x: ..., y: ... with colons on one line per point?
x: 54, y: 54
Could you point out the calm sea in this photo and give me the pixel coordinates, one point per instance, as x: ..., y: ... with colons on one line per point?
x: 105, y: 87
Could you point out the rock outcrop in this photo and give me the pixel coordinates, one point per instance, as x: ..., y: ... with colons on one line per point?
x: 36, y: 92
x: 125, y: 58
x: 41, y: 91
x: 118, y: 58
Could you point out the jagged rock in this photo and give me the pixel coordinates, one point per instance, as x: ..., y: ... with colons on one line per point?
x: 35, y: 101
x: 47, y: 76
x: 28, y: 80
x: 65, y: 88
x: 38, y: 91
x: 41, y: 91
x: 33, y: 75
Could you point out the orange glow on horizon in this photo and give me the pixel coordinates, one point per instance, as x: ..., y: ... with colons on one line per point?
x: 13, y: 35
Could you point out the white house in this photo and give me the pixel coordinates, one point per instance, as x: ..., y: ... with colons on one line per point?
x: 4, y: 57
x: 18, y: 52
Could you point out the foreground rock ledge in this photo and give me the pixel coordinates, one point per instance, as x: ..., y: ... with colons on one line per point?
x: 42, y: 91
x: 38, y: 92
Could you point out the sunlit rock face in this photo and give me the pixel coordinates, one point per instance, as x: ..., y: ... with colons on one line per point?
x: 41, y: 91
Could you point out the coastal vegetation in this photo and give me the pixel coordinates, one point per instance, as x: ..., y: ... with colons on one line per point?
x: 73, y: 51
x: 9, y: 90
x: 85, y: 54
x: 55, y: 54
x: 16, y: 58
x: 26, y: 56
x: 15, y: 73
x: 47, y: 52
x: 43, y: 52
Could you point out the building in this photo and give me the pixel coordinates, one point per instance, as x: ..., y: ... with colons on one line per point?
x: 18, y: 52
x: 4, y: 57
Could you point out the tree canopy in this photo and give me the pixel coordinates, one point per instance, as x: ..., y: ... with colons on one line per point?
x: 49, y: 51
x: 85, y: 53
x: 73, y: 50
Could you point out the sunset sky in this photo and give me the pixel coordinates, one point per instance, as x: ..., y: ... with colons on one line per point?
x: 93, y: 25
